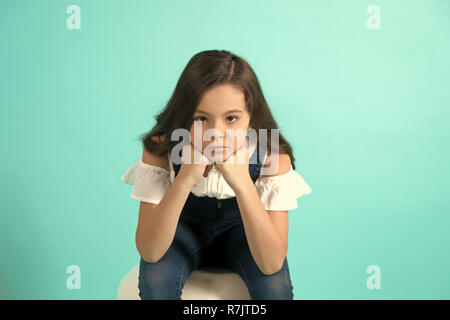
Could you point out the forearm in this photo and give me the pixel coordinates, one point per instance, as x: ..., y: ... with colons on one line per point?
x: 160, y: 223
x: 265, y: 243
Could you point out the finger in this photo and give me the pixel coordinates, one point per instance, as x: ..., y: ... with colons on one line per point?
x: 186, y: 154
x: 206, y: 160
x: 242, y: 154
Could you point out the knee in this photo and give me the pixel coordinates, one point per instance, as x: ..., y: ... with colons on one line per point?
x: 157, y: 282
x: 277, y: 286
x: 280, y: 289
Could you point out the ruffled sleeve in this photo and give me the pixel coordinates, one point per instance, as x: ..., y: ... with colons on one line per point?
x: 281, y: 192
x: 149, y: 182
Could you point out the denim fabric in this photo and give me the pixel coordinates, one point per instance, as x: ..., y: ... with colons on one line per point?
x: 210, y: 232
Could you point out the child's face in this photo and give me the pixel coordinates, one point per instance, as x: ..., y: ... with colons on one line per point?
x: 222, y: 107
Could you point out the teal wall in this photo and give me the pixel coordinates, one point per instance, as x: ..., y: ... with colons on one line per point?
x: 366, y: 111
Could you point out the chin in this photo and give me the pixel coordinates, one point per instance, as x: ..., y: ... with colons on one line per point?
x: 220, y: 157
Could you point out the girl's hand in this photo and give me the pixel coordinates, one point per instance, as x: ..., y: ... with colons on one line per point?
x: 191, y: 171
x: 235, y: 168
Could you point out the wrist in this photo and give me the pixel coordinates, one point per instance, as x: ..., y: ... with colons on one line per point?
x: 243, y: 185
x: 184, y: 182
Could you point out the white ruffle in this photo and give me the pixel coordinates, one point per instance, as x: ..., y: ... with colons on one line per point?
x: 150, y: 182
x: 281, y: 192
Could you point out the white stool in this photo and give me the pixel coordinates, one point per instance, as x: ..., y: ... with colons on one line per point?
x: 205, y: 283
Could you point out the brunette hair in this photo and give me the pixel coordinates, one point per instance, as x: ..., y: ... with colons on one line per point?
x: 205, y: 70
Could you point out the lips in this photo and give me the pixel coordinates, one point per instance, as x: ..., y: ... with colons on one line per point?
x: 217, y: 147
x: 220, y: 149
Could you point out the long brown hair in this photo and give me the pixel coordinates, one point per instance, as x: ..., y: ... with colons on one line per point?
x: 205, y: 70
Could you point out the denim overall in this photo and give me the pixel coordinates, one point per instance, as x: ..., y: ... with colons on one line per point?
x: 210, y: 232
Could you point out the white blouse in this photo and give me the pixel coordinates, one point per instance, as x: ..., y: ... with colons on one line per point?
x: 276, y: 192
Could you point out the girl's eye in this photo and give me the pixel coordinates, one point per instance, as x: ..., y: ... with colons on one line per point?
x: 232, y: 117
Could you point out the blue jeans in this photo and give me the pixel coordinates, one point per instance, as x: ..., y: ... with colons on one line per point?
x: 202, y: 240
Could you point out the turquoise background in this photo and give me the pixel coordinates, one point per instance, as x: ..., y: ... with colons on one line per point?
x: 366, y: 111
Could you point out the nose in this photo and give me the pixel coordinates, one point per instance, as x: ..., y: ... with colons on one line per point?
x: 219, y: 132
x: 218, y: 140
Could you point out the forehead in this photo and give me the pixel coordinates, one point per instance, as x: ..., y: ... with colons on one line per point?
x: 222, y: 98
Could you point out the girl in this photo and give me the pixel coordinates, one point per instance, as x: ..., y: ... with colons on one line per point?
x: 214, y: 211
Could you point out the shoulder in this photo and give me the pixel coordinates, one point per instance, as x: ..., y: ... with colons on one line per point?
x: 284, y: 165
x: 152, y: 159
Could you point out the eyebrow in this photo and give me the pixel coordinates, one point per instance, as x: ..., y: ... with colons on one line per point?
x: 229, y: 111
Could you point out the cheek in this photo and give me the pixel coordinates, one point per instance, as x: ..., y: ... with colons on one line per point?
x: 200, y: 142
x: 238, y: 142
